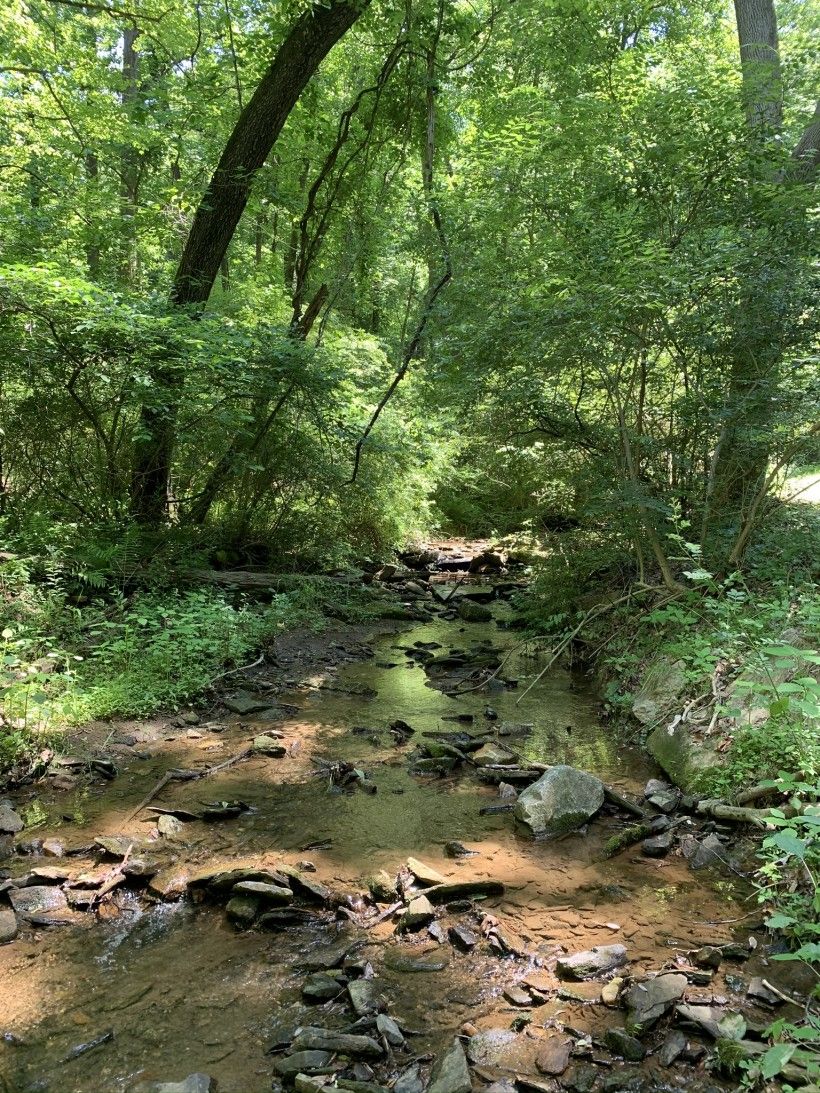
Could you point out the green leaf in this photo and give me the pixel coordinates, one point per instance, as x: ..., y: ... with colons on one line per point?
x: 779, y: 921
x: 775, y: 1059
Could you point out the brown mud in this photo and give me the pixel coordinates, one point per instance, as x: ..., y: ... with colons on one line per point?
x: 184, y: 991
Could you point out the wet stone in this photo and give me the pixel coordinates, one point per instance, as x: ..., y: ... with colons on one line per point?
x: 580, y: 1079
x: 321, y: 987
x: 517, y: 996
x: 36, y: 900
x: 591, y: 963
x: 8, y: 925
x: 450, y: 1073
x: 492, y: 755
x: 553, y: 1057
x: 270, y: 746
x: 759, y: 992
x: 308, y: 1083
x: 311, y: 1038
x: 242, y: 910
x: 224, y: 880
x: 364, y: 997
x: 619, y: 1041
x: 169, y: 826
x: 243, y: 702
x: 709, y: 852
x: 259, y: 890
x: 474, y: 612
x: 455, y: 849
x: 436, y: 932
x: 462, y: 938
x: 169, y: 884
x: 302, y: 1062
x: 194, y: 1083
x: 490, y: 1047
x: 709, y: 956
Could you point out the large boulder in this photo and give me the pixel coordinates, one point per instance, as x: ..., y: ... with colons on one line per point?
x: 662, y: 684
x: 682, y: 756
x: 561, y: 800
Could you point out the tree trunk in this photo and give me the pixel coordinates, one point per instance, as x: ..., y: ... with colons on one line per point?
x: 259, y: 124
x: 129, y: 161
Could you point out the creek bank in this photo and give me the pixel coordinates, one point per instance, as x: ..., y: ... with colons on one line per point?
x: 297, y: 837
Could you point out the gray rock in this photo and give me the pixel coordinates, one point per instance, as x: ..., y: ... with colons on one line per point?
x: 462, y: 938
x: 382, y: 887
x: 661, y: 685
x: 708, y: 956
x: 311, y: 1038
x: 665, y: 801
x: 591, y: 962
x: 53, y: 848
x: 474, y: 612
x: 648, y: 1001
x: 302, y: 1062
x: 364, y: 997
x: 309, y: 1083
x: 260, y: 890
x: 270, y: 746
x: 705, y: 1018
x: 450, y: 1073
x: 683, y: 756
x: 242, y: 910
x: 419, y: 913
x: 194, y: 1083
x: 657, y: 846
x: 169, y: 826
x: 388, y: 1028
x: 463, y: 889
x: 409, y: 1081
x: 223, y: 880
x: 709, y: 852
x: 36, y: 900
x: 8, y: 925
x: 306, y: 886
x: 10, y: 822
x: 491, y: 1046
x: 673, y: 1046
x: 553, y: 1057
x: 561, y: 800
x: 321, y: 987
x: 621, y: 1043
x: 243, y: 702
x: 517, y: 996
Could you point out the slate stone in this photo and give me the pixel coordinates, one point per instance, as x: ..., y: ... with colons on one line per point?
x: 619, y: 1041
x: 591, y: 962
x: 553, y: 1058
x: 450, y: 1073
x: 311, y: 1038
x: 302, y: 1062
x: 648, y: 1001
x: 265, y: 893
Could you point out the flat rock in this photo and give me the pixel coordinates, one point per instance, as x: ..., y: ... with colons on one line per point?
x: 117, y: 845
x: 309, y: 1083
x: 8, y: 925
x: 223, y: 880
x: 462, y: 938
x: 465, y: 889
x: 419, y: 913
x: 36, y: 900
x: 425, y: 874
x: 450, y: 1073
x: 243, y: 702
x: 705, y: 1018
x: 264, y: 892
x: 170, y: 884
x: 491, y: 1047
x: 494, y: 755
x: 194, y: 1083
x: 409, y: 1081
x: 306, y: 886
x: 10, y: 822
x: 553, y: 1057
x: 648, y: 1001
x: 364, y: 997
x: 302, y: 1062
x: 517, y: 996
x: 311, y: 1038
x: 560, y: 801
x: 591, y: 962
x: 321, y: 987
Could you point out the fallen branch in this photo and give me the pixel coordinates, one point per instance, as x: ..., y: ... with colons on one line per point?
x: 719, y: 810
x: 616, y: 798
x: 178, y: 775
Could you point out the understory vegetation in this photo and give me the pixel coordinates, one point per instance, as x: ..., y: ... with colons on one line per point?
x: 288, y: 287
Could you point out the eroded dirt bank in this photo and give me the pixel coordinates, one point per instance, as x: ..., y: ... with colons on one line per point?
x: 135, y: 940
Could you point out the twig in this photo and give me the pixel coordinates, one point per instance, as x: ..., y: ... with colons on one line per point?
x: 391, y: 910
x: 243, y: 668
x: 177, y: 775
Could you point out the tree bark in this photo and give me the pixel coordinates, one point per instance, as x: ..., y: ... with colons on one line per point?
x: 215, y: 221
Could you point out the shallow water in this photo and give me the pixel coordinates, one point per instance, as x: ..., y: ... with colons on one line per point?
x: 183, y: 991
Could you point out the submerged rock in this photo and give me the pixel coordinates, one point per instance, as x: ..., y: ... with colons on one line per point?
x: 194, y: 1083
x: 474, y: 612
x: 591, y: 962
x: 561, y: 800
x: 242, y: 910
x: 450, y: 1073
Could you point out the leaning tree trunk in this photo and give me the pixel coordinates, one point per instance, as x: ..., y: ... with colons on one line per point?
x: 309, y: 41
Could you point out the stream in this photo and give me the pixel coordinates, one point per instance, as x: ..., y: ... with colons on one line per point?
x: 183, y: 991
